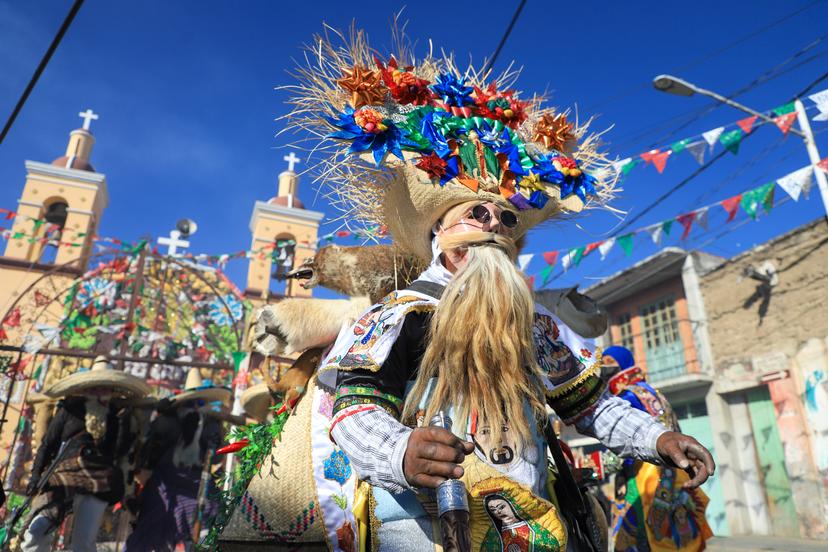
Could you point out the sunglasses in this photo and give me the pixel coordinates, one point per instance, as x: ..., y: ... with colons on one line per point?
x: 483, y: 215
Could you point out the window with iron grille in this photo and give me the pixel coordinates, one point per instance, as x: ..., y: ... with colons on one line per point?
x: 624, y: 323
x: 662, y: 342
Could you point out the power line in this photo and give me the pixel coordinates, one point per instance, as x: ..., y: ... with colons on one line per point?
x: 811, y: 86
x: 41, y: 66
x: 491, y: 62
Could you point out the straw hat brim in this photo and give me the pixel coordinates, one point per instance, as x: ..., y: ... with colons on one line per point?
x: 78, y: 382
x: 413, y: 203
x: 208, y: 394
x: 256, y: 401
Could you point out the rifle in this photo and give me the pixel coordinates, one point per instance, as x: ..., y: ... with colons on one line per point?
x: 18, y: 512
x: 202, y: 494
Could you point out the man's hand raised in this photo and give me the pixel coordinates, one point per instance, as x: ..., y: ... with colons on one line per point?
x: 433, y: 455
x: 682, y: 451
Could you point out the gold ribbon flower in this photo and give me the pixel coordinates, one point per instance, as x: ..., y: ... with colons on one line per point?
x: 554, y: 131
x: 366, y: 86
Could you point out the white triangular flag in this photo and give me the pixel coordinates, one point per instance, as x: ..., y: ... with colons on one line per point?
x: 696, y: 149
x: 821, y: 101
x: 524, y: 260
x: 619, y: 165
x: 711, y: 136
x: 797, y: 181
x: 655, y: 233
x: 701, y: 218
x: 605, y: 247
x: 566, y: 260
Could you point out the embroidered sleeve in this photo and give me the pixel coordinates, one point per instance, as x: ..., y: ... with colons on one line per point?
x: 570, y: 366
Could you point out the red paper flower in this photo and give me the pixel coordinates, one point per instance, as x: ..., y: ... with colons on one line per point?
x: 500, y: 106
x: 404, y: 85
x: 433, y: 165
x: 586, y: 353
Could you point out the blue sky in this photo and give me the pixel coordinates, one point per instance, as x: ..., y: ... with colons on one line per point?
x: 185, y: 93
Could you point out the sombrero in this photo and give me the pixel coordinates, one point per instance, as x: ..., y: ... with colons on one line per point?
x: 256, y: 401
x: 405, y: 140
x: 100, y: 375
x: 194, y: 389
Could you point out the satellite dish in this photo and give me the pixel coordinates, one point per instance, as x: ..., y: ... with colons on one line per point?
x: 187, y: 227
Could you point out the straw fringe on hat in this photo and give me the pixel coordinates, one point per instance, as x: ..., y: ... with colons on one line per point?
x: 396, y: 141
x: 256, y: 401
x: 195, y: 389
x: 101, y: 375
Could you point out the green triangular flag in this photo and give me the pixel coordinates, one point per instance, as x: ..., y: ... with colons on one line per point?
x: 666, y: 226
x: 680, y: 146
x: 731, y: 140
x: 17, y: 235
x: 546, y: 273
x: 765, y: 196
x: 784, y: 109
x: 626, y: 243
x: 749, y: 203
x: 238, y: 357
x: 578, y: 254
x: 625, y: 170
x: 37, y: 224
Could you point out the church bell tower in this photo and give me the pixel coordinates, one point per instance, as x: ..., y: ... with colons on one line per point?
x: 284, y: 235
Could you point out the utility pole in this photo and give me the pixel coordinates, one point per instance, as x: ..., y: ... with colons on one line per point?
x: 813, y: 152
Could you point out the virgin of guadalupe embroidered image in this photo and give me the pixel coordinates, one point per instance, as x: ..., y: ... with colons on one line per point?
x: 515, y: 533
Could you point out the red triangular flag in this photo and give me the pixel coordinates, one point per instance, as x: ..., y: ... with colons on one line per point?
x: 13, y: 318
x: 686, y: 220
x: 823, y: 165
x: 731, y: 205
x: 3, y: 335
x: 592, y: 247
x: 746, y: 124
x: 660, y: 160
x: 551, y: 257
x: 648, y: 156
x: 10, y: 215
x: 531, y: 282
x: 784, y: 122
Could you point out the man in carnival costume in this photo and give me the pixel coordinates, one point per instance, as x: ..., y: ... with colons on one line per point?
x: 179, y: 450
x: 654, y: 510
x: 90, y: 437
x: 458, y: 170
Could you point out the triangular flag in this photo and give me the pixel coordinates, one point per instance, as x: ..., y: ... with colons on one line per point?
x: 796, y: 182
x: 625, y: 170
x: 578, y: 254
x: 666, y: 226
x: 784, y: 122
x: 823, y: 165
x: 731, y: 140
x: 660, y: 160
x: 766, y: 196
x: 618, y: 166
x: 731, y: 205
x: 701, y: 217
x: 789, y: 107
x: 761, y: 196
x: 746, y: 124
x: 551, y: 257
x: 821, y: 101
x: 592, y: 247
x: 680, y: 146
x: 531, y: 282
x: 655, y: 233
x: 605, y: 247
x: 649, y: 155
x: 686, y: 220
x: 524, y: 260
x: 626, y: 243
x: 697, y: 151
x: 566, y: 260
x: 712, y: 136
x: 749, y: 204
x: 546, y: 273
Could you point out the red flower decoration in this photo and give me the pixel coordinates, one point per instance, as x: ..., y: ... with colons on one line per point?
x: 433, y: 165
x: 586, y: 353
x: 567, y: 162
x: 501, y: 106
x: 405, y: 87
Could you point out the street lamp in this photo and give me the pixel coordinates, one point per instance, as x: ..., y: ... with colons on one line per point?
x: 680, y: 87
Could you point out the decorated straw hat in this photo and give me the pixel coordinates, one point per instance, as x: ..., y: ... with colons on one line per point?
x: 195, y: 389
x: 100, y: 375
x: 404, y: 140
x: 256, y: 400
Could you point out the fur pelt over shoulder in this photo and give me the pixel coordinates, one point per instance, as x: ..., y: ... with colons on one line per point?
x: 356, y: 271
x: 296, y: 324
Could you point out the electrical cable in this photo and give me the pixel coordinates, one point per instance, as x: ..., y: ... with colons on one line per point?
x: 41, y: 66
x: 490, y: 62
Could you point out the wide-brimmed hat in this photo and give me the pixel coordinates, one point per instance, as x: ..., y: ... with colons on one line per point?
x: 256, y: 401
x: 194, y: 389
x: 405, y: 140
x: 102, y: 374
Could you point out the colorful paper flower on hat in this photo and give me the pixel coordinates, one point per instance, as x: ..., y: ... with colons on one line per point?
x: 437, y: 167
x: 564, y: 172
x: 371, y: 136
x: 96, y: 294
x: 553, y: 131
x: 453, y: 91
x: 500, y: 106
x: 225, y: 311
x: 404, y: 86
x: 337, y: 467
x: 365, y: 86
